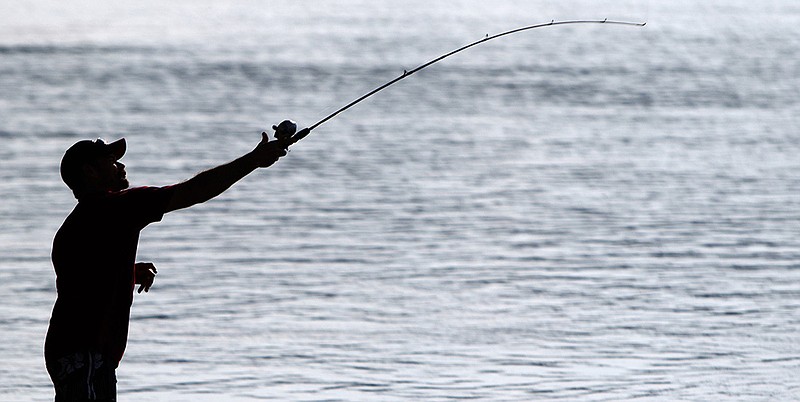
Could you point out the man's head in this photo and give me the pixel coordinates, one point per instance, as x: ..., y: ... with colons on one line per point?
x: 93, y: 166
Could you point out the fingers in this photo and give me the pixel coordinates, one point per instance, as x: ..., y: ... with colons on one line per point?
x: 145, y: 276
x: 269, y: 151
x: 276, y: 149
x: 146, y: 284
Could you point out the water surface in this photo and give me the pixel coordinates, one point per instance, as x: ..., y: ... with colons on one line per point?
x: 575, y: 213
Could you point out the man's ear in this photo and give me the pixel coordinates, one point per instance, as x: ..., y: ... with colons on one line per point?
x: 89, y: 172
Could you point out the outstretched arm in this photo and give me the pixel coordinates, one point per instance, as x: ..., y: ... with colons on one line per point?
x: 215, y: 181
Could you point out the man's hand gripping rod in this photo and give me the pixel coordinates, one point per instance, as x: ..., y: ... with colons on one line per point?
x: 287, y: 130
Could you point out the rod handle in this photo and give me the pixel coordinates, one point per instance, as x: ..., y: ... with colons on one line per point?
x: 299, y: 136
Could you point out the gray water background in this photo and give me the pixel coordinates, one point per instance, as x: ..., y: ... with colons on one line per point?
x: 580, y: 213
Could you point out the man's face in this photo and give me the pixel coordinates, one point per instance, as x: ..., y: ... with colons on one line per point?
x: 109, y: 173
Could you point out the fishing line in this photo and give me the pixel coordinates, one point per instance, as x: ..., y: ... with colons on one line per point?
x: 287, y: 128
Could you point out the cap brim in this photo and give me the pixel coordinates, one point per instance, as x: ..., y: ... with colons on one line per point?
x: 117, y: 148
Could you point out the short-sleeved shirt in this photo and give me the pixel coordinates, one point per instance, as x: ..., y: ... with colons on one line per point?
x: 94, y: 254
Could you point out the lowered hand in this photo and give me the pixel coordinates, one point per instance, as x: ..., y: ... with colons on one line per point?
x: 145, y: 274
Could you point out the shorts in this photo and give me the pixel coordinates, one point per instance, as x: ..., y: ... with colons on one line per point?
x: 83, y: 376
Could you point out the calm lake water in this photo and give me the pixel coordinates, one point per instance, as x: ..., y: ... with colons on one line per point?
x: 582, y: 212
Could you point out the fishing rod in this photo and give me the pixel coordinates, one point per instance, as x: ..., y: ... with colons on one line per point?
x: 285, y: 131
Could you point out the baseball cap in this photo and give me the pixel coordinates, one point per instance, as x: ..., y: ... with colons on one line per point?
x: 87, y: 151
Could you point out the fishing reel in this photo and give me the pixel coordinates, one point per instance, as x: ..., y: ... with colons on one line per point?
x: 284, y: 130
x: 287, y: 133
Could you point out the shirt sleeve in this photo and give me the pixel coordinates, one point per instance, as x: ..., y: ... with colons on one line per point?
x: 145, y: 205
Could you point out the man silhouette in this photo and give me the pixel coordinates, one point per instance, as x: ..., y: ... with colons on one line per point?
x: 94, y: 255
